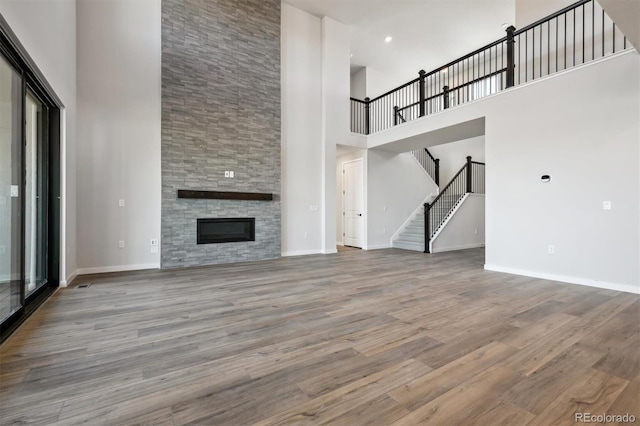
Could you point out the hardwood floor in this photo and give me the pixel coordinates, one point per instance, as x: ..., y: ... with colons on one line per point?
x: 357, y: 338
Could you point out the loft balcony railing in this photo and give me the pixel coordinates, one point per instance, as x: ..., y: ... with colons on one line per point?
x: 577, y: 34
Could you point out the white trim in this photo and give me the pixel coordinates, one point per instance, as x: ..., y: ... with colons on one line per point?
x: 340, y: 243
x: 66, y: 282
x: 377, y: 247
x: 462, y: 247
x: 330, y: 251
x: 301, y: 252
x: 409, y: 219
x: 119, y: 268
x: 627, y: 288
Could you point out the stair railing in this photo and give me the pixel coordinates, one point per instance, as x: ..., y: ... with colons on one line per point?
x: 429, y: 163
x: 469, y: 179
x: 572, y: 36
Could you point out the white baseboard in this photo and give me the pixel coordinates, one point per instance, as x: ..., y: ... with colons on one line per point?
x: 67, y: 282
x: 330, y: 251
x: 462, y: 247
x: 301, y: 252
x: 627, y: 288
x: 119, y: 268
x: 340, y: 243
x: 377, y: 246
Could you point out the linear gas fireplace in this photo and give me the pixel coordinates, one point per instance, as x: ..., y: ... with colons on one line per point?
x: 226, y: 230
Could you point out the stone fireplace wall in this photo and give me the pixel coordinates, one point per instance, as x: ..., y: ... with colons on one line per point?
x: 220, y: 112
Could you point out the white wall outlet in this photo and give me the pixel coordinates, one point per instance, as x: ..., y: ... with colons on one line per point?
x: 384, y: 231
x: 121, y: 244
x: 226, y: 173
x: 121, y: 203
x: 552, y: 249
x: 154, y: 249
x: 306, y: 235
x: 232, y: 174
x: 475, y: 231
x: 15, y: 191
x: 606, y: 205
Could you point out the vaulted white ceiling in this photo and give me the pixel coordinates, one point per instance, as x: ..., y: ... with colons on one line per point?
x: 426, y: 33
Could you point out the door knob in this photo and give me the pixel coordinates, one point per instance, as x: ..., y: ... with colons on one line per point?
x: 359, y: 214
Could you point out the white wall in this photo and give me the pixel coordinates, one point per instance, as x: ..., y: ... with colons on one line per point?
x: 119, y: 124
x: 335, y: 117
x: 359, y: 84
x: 529, y: 11
x: 396, y: 185
x: 301, y: 132
x: 349, y: 156
x: 47, y: 30
x: 466, y: 227
x: 454, y: 155
x: 588, y: 139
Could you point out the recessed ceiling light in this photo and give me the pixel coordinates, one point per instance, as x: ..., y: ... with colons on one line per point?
x: 388, y: 39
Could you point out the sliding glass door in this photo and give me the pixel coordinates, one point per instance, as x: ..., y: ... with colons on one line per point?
x: 10, y: 201
x: 29, y: 188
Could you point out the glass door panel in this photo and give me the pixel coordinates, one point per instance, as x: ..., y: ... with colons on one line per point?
x: 35, y: 196
x: 10, y: 188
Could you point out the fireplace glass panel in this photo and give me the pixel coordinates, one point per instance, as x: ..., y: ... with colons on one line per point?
x: 227, y: 230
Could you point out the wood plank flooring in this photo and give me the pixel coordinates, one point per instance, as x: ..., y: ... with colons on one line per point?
x: 356, y: 338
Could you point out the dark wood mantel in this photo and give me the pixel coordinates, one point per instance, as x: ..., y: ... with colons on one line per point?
x: 220, y: 195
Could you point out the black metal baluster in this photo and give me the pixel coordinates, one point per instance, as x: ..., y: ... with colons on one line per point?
x: 593, y: 30
x: 548, y: 47
x: 614, y: 37
x: 574, y: 37
x: 565, y: 42
x: 533, y: 53
x: 557, y: 31
x: 583, y: 33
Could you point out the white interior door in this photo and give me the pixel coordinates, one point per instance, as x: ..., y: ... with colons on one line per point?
x: 353, y: 203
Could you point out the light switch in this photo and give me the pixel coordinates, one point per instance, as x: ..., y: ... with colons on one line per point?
x: 121, y: 203
x: 226, y: 173
x: 231, y: 174
x: 15, y: 191
x: 606, y: 205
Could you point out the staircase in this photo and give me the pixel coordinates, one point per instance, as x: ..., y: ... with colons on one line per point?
x: 437, y: 210
x: 411, y: 237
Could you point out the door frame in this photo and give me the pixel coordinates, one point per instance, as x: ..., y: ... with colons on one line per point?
x: 33, y: 80
x: 364, y: 199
